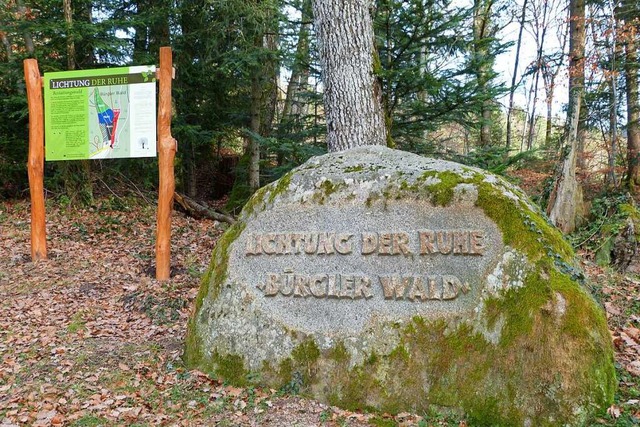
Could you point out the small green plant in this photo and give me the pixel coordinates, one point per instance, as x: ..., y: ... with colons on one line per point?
x: 609, y: 216
x: 293, y: 386
x: 89, y: 421
x: 325, y: 416
x: 383, y: 422
x: 77, y: 322
x: 193, y: 266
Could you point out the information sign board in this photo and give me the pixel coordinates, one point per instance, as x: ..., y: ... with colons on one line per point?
x: 98, y: 114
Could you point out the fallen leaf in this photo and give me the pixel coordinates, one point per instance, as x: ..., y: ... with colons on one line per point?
x: 634, y: 368
x: 614, y: 411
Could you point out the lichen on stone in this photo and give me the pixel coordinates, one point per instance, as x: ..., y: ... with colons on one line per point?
x: 530, y: 348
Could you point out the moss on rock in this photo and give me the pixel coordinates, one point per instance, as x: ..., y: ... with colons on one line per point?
x: 533, y: 351
x: 211, y: 283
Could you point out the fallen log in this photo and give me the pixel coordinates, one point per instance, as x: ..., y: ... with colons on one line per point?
x: 199, y: 211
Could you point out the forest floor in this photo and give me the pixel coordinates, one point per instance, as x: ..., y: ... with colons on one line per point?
x: 88, y: 337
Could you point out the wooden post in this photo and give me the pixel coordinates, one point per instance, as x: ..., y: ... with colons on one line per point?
x: 166, y: 155
x: 35, y: 164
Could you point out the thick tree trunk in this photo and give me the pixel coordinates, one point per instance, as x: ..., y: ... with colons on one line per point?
x: 577, y: 36
x: 633, y: 108
x: 346, y: 45
x: 566, y: 201
x: 512, y: 90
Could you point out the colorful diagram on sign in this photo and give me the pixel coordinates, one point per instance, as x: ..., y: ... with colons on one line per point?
x: 100, y: 114
x: 107, y: 118
x: 108, y: 115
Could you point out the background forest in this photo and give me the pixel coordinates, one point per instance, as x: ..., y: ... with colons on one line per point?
x: 544, y: 92
x: 248, y: 74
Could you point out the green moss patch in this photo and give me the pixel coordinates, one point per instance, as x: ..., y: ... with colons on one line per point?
x: 211, y: 282
x: 534, y: 375
x: 521, y: 228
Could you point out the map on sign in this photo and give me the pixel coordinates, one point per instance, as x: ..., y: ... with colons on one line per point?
x: 100, y: 114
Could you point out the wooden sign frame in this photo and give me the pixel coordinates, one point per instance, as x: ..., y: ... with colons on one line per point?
x: 167, y: 147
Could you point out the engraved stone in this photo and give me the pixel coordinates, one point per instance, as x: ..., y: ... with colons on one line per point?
x: 382, y: 279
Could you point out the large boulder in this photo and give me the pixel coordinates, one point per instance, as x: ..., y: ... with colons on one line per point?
x: 379, y: 279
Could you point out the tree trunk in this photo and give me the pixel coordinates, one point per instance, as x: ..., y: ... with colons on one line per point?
x: 547, y: 135
x: 566, y: 202
x: 270, y: 83
x: 540, y: 31
x: 199, y: 211
x: 613, y: 107
x: 293, y: 108
x: 481, y: 30
x: 633, y: 108
x: 346, y: 46
x: 512, y: 90
x: 532, y: 117
x: 7, y: 45
x: 71, y: 47
x: 253, y: 145
x: 566, y: 199
x: 549, y: 78
x: 28, y: 39
x: 577, y: 38
x: 83, y: 55
x: 613, y: 132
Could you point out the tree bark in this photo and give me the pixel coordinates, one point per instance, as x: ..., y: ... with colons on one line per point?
x: 28, y: 39
x: 549, y: 125
x: 566, y: 202
x: 577, y: 36
x: 481, y: 30
x: 7, y: 45
x: 613, y: 132
x: 253, y: 145
x: 549, y: 78
x: 512, y: 90
x: 633, y: 108
x: 616, y: 52
x: 71, y: 47
x: 351, y: 97
x: 299, y: 80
